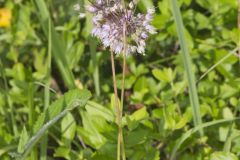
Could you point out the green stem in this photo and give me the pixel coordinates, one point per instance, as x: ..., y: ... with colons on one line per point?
x: 188, y: 66
x: 229, y: 138
x: 123, y: 88
x: 190, y: 132
x: 31, y: 115
x: 9, y: 102
x: 239, y: 28
x: 116, y: 106
x: 44, y: 143
x: 93, y: 46
x: 175, y: 99
x: 58, y: 48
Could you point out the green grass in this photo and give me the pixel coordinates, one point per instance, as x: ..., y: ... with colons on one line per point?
x: 44, y: 143
x: 47, y: 49
x: 187, y: 64
x: 67, y: 103
x: 58, y: 49
x: 93, y: 48
x: 190, y: 132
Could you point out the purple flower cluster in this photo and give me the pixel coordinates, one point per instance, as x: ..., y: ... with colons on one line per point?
x: 109, y: 19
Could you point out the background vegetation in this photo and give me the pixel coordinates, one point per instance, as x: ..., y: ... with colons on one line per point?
x: 49, y: 61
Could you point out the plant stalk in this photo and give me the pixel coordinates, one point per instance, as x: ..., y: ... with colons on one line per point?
x: 32, y: 115
x: 44, y: 142
x: 93, y: 46
x: 8, y: 100
x: 116, y: 106
x: 123, y: 87
x: 239, y: 28
x: 188, y: 66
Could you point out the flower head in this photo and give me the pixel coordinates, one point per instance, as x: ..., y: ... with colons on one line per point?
x: 109, y: 19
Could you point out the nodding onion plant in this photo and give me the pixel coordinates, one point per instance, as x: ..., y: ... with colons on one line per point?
x: 109, y: 17
x: 122, y: 31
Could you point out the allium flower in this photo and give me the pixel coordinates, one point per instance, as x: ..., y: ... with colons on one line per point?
x: 109, y: 17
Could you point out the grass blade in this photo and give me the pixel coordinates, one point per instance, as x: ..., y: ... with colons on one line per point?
x: 187, y: 64
x: 238, y: 28
x: 58, y: 49
x: 44, y: 143
x: 231, y: 135
x: 69, y: 101
x: 9, y: 102
x: 218, y: 63
x: 93, y: 46
x: 195, y: 129
x: 31, y: 114
x: 41, y: 132
x: 6, y: 149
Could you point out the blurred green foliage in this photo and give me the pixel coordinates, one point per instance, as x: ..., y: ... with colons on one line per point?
x: 157, y: 110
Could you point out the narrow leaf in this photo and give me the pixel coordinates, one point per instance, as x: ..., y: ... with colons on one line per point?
x: 188, y: 66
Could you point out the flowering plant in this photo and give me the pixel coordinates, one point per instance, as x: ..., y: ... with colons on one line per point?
x: 123, y: 31
x: 109, y: 19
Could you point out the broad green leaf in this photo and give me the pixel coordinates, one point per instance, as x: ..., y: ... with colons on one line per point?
x: 40, y: 64
x: 144, y: 5
x: 89, y: 132
x: 70, y: 101
x: 95, y: 109
x: 164, y: 7
x: 180, y: 124
x: 235, y: 36
x: 187, y: 2
x: 169, y: 120
x: 23, y: 140
x: 62, y: 152
x: 75, y: 54
x: 136, y: 137
x: 137, y: 117
x: 139, y: 114
x: 165, y: 75
x: 179, y: 87
x: 141, y: 85
x: 160, y: 21
x: 223, y: 156
x: 17, y: 72
x: 203, y: 21
x: 194, y: 130
x: 68, y: 127
x: 227, y: 113
x: 66, y: 101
